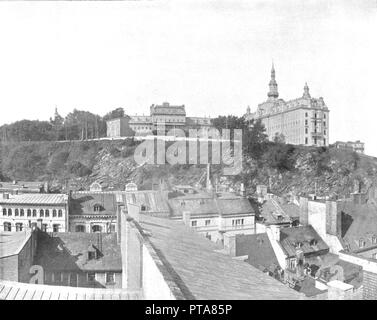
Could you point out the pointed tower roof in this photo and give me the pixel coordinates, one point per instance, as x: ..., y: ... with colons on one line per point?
x: 306, y: 91
x: 273, y: 93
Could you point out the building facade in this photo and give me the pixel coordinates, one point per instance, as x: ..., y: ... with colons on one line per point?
x: 356, y: 146
x: 213, y: 216
x: 171, y: 116
x: 21, y: 211
x: 301, y: 121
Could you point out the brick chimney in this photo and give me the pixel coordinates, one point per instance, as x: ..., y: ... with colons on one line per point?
x: 304, y: 215
x: 131, y: 248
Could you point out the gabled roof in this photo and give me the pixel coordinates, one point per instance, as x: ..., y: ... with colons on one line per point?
x: 68, y: 251
x: 203, y: 273
x: 359, y: 221
x: 83, y: 203
x: 303, y: 235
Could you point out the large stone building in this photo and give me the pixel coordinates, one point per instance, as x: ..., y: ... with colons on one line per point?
x: 301, y: 121
x: 18, y: 212
x: 173, y: 117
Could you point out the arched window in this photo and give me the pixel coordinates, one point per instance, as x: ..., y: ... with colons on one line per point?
x: 80, y: 228
x: 34, y: 213
x: 18, y: 226
x: 361, y: 243
x: 22, y: 212
x: 16, y: 212
x: 9, y: 212
x: 97, y: 207
x: 41, y: 213
x: 7, y: 226
x: 4, y: 212
x: 28, y: 212
x: 47, y: 213
x: 55, y: 227
x: 54, y: 213
x: 96, y: 228
x: 60, y: 213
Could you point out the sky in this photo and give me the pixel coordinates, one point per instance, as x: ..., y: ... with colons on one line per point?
x: 213, y: 56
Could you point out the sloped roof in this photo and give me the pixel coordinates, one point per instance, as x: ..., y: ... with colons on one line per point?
x: 203, y: 273
x: 359, y: 221
x: 166, y: 109
x: 82, y: 203
x: 21, y: 185
x: 153, y: 201
x: 258, y: 248
x: 202, y: 205
x: 272, y: 213
x: 10, y: 290
x: 11, y: 243
x: 67, y: 251
x: 37, y: 198
x: 289, y: 237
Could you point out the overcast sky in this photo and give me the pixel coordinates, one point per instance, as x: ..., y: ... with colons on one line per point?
x: 213, y: 56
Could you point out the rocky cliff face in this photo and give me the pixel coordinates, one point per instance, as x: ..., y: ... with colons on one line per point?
x: 77, y: 164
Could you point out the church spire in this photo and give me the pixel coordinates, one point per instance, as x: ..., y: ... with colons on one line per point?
x: 273, y: 93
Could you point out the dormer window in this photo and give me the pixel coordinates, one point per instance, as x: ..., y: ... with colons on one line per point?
x: 92, y: 253
x: 374, y: 239
x: 313, y: 242
x: 362, y: 243
x: 97, y: 208
x: 298, y: 245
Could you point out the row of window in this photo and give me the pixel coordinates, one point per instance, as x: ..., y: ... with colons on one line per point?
x: 7, y: 226
x: 194, y: 223
x: 32, y: 213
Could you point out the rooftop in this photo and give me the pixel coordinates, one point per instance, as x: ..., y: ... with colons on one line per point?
x: 359, y: 221
x: 198, y: 204
x: 11, y: 243
x: 259, y: 250
x: 68, y: 251
x: 203, y: 273
x: 83, y: 203
x: 305, y: 237
x: 36, y: 198
x: 152, y: 201
x: 10, y: 290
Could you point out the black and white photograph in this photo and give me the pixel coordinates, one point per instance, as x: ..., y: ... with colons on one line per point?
x: 214, y: 150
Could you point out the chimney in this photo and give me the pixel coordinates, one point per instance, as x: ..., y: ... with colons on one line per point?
x: 243, y: 190
x: 275, y: 232
x: 333, y: 221
x: 230, y: 244
x: 304, y: 214
x: 131, y: 249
